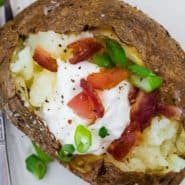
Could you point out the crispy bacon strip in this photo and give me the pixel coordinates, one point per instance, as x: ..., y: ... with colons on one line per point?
x: 44, y: 59
x: 83, y: 49
x: 169, y: 111
x: 122, y: 146
x: 144, y: 109
x: 133, y: 95
x: 107, y: 78
x: 88, y: 89
x: 142, y: 112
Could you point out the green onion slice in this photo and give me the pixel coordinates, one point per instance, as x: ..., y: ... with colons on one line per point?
x: 147, y: 84
x: 66, y: 153
x: 2, y: 2
x: 36, y: 166
x: 83, y: 139
x: 103, y: 132
x: 140, y: 70
x: 103, y: 60
x: 116, y: 52
x: 41, y: 154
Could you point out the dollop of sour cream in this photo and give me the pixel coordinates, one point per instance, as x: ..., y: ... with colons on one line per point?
x: 61, y: 119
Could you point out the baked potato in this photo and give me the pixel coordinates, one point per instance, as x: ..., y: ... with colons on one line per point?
x: 42, y: 43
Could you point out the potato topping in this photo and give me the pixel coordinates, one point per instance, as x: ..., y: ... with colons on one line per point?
x: 42, y: 88
x: 159, y: 150
x: 24, y: 64
x: 162, y: 144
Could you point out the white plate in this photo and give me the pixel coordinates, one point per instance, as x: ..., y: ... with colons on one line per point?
x: 170, y: 14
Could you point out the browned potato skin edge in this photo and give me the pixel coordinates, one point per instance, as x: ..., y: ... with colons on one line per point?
x: 159, y: 52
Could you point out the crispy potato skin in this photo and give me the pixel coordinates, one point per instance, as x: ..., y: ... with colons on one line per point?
x: 159, y: 52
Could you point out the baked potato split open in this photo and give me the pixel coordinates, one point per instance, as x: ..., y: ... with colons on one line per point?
x: 28, y: 86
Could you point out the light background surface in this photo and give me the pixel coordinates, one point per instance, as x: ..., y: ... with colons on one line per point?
x: 170, y: 13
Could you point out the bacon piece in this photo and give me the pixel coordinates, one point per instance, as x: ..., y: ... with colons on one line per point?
x: 44, y: 59
x: 121, y: 147
x: 142, y: 112
x: 83, y: 49
x: 88, y: 89
x: 133, y: 95
x: 107, y: 78
x: 170, y: 111
x: 83, y: 106
x: 144, y: 109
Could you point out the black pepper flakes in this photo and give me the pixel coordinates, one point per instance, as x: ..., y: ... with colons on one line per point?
x: 60, y: 45
x: 74, y: 89
x: 79, y: 67
x: 47, y: 101
x: 120, y: 88
x: 72, y: 80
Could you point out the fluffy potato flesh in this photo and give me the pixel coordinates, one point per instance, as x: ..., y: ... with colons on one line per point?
x: 24, y: 64
x: 42, y: 88
x: 28, y: 75
x: 162, y: 145
x: 159, y: 150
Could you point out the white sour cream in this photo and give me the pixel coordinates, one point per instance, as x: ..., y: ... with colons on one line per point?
x: 57, y: 114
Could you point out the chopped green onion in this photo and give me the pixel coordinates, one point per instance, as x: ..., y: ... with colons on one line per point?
x: 42, y: 155
x: 147, y: 84
x: 83, y: 139
x: 36, y: 166
x: 68, y: 149
x: 103, y: 132
x: 144, y: 78
x: 103, y: 60
x: 1, y: 2
x: 116, y: 53
x: 140, y: 70
x: 66, y: 153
